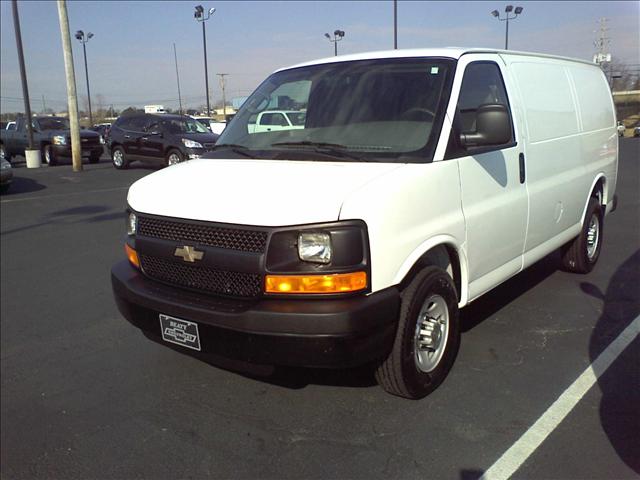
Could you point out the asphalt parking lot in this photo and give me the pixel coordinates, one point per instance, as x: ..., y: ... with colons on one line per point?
x: 85, y: 395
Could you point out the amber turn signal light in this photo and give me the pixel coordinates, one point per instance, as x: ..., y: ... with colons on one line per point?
x: 132, y: 255
x: 309, y: 284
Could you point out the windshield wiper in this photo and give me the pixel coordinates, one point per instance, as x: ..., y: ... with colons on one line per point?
x: 239, y: 149
x: 333, y: 149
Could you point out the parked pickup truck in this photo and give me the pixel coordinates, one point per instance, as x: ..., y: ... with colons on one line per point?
x: 273, y: 120
x: 52, y: 136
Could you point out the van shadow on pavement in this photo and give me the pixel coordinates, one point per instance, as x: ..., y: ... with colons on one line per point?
x: 620, y: 384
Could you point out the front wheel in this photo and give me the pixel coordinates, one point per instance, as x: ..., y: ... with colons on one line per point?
x: 49, y: 156
x: 4, y: 154
x: 581, y: 254
x: 427, y: 338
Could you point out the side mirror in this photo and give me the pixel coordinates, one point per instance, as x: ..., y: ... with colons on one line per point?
x: 493, y: 127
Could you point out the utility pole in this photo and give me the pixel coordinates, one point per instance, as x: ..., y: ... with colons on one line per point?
x: 395, y: 24
x: 23, y: 74
x: 602, y: 43
x: 44, y: 106
x: 224, y: 98
x: 72, y: 96
x: 175, y: 56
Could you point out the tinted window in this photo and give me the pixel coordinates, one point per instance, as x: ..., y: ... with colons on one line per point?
x: 274, y: 119
x: 52, y: 123
x: 137, y: 124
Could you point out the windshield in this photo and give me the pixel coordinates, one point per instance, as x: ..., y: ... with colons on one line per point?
x: 184, y: 125
x: 376, y: 110
x: 53, y: 123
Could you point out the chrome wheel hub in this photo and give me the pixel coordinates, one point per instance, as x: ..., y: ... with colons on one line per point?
x: 117, y: 158
x: 173, y: 159
x: 432, y: 331
x: 593, y: 236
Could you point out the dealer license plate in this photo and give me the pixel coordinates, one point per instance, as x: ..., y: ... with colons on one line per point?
x: 180, y: 332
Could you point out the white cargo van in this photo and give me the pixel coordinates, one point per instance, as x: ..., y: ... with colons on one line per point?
x: 419, y: 181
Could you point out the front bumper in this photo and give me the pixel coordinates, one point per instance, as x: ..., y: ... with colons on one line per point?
x: 307, y: 333
x: 193, y: 153
x: 6, y: 176
x: 87, y: 151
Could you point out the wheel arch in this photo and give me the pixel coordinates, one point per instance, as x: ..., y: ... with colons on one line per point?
x: 442, y: 251
x: 599, y: 190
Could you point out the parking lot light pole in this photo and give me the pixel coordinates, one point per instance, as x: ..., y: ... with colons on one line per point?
x: 201, y: 16
x: 508, y: 9
x: 83, y: 40
x: 337, y: 36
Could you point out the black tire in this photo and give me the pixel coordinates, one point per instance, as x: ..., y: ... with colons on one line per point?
x: 48, y: 156
x: 171, y: 156
x: 399, y: 374
x: 581, y: 254
x: 4, y: 154
x: 94, y: 158
x: 4, y: 188
x: 119, y: 158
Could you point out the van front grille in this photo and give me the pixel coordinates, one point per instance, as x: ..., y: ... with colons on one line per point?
x: 214, y: 236
x: 203, y: 279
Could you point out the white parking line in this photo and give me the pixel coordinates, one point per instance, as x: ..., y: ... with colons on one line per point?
x: 515, y: 456
x: 42, y: 197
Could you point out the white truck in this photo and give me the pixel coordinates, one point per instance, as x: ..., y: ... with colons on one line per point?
x: 418, y: 181
x: 154, y: 109
x: 273, y: 120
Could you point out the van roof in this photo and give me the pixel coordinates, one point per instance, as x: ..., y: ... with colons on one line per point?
x: 447, y: 52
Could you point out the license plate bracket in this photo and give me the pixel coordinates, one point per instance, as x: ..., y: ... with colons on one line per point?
x: 179, y: 331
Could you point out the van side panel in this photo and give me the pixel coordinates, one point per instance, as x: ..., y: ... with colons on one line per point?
x: 599, y: 140
x: 556, y: 172
x: 403, y: 210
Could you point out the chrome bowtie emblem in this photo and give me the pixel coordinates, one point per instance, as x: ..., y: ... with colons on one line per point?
x: 188, y: 254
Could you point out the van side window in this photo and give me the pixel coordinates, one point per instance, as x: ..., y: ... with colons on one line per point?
x: 481, y: 85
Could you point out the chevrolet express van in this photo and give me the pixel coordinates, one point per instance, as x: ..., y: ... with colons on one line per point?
x: 420, y: 180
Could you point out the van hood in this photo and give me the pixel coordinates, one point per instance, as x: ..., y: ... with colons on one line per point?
x: 253, y: 192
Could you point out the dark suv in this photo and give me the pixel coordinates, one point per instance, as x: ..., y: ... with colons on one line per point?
x: 159, y: 138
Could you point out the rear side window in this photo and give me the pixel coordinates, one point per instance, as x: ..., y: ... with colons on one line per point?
x: 274, y: 119
x: 482, y: 84
x: 137, y: 124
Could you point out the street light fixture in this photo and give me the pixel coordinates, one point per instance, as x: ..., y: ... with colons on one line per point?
x: 80, y: 35
x: 337, y: 36
x: 508, y: 16
x: 201, y: 16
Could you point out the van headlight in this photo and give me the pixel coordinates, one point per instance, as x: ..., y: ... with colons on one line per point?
x: 190, y: 143
x: 132, y: 224
x: 59, y: 140
x: 314, y: 247
x: 321, y: 259
x: 102, y: 140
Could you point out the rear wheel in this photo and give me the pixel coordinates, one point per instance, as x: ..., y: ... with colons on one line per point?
x: 173, y: 157
x: 119, y: 159
x: 581, y: 254
x: 427, y: 338
x: 49, y: 156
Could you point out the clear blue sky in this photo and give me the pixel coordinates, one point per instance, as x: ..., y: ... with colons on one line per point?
x: 131, y: 55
